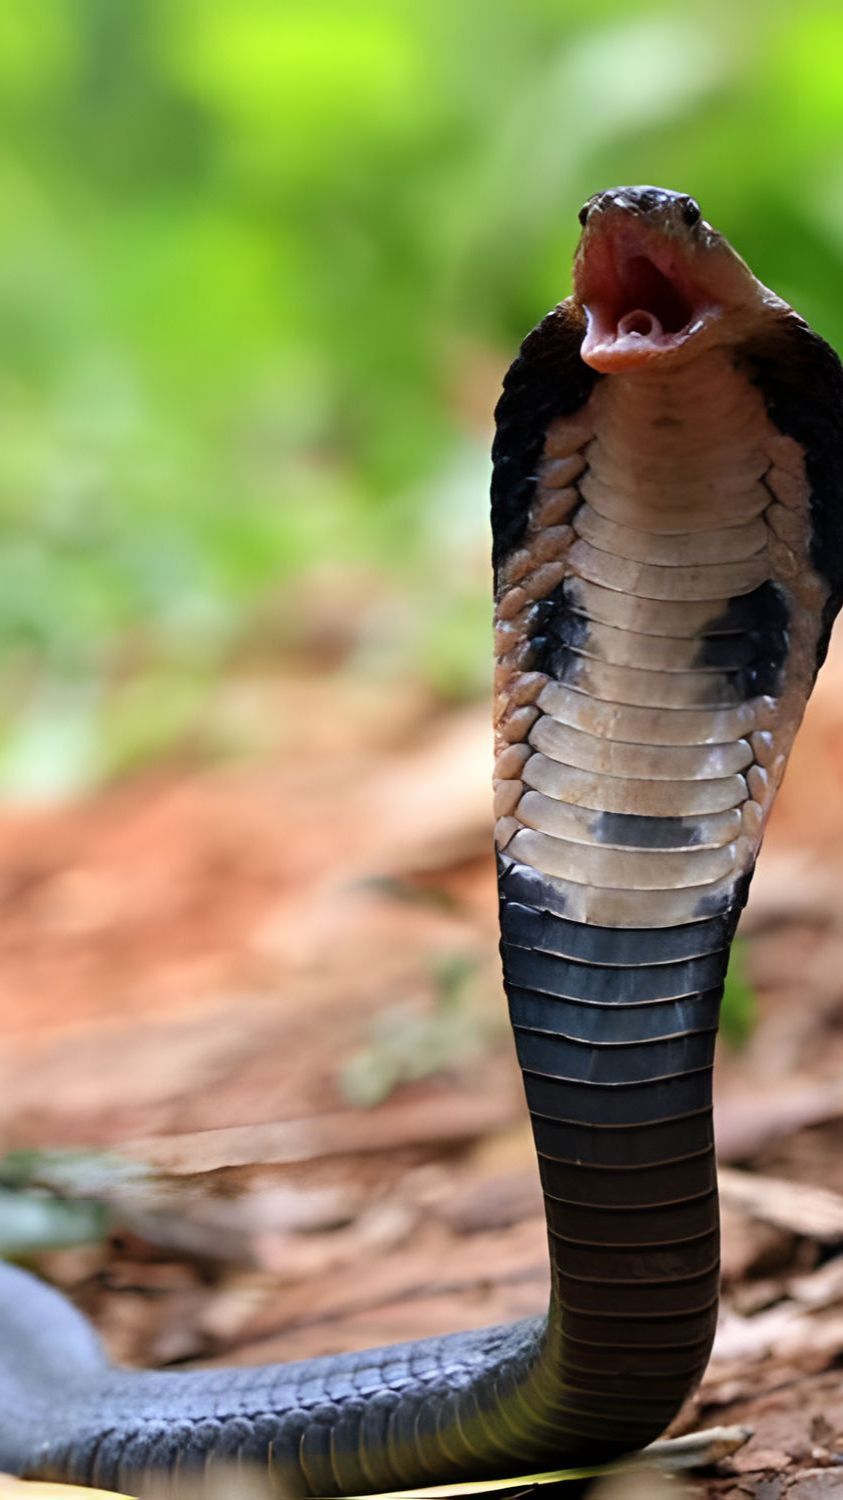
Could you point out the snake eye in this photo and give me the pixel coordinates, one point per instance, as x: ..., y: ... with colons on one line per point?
x: 690, y: 211
x: 583, y: 213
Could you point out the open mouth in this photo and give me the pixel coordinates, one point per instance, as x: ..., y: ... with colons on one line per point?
x: 640, y: 295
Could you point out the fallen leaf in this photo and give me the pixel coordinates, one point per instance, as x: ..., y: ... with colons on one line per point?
x: 795, y: 1206
x: 440, y: 1115
x: 35, y: 1489
x: 747, y: 1123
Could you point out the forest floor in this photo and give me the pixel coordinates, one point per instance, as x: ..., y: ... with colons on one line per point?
x: 262, y: 999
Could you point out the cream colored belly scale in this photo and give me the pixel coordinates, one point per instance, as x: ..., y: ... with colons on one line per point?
x: 662, y: 502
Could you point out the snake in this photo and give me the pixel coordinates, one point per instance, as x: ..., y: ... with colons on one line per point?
x: 667, y: 519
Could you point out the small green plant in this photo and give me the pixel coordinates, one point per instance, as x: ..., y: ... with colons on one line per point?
x: 407, y: 1044
x: 739, y: 1012
x: 50, y: 1200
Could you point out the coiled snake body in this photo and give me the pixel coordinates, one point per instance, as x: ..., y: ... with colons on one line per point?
x: 667, y: 511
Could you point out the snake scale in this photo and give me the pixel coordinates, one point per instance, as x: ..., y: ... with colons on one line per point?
x: 667, y: 511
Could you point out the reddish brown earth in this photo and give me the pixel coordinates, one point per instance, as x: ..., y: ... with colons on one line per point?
x: 191, y: 960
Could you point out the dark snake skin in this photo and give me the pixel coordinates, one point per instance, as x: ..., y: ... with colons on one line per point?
x: 615, y: 1024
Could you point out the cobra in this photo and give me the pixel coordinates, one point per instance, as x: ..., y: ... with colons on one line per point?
x: 667, y: 510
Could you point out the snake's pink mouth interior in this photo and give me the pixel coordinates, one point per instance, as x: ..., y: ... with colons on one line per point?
x: 654, y: 303
x: 639, y: 292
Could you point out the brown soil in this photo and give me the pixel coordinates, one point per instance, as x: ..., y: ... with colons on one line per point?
x: 190, y: 961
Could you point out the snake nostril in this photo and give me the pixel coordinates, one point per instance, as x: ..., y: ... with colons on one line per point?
x: 584, y: 212
x: 690, y: 210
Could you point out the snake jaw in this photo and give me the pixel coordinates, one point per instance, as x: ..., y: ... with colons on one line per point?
x: 656, y: 283
x: 642, y: 293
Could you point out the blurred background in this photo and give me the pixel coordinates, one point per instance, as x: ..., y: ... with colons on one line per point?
x: 262, y: 267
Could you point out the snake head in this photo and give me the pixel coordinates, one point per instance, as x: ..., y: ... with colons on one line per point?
x: 656, y: 282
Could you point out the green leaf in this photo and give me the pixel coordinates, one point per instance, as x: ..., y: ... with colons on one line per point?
x: 32, y: 1221
x: 739, y: 1011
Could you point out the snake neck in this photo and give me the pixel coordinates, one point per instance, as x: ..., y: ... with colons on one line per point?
x: 657, y: 634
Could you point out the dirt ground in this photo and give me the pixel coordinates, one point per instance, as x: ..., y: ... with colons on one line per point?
x: 273, y: 985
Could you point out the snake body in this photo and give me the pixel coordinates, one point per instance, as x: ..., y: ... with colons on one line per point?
x: 667, y: 507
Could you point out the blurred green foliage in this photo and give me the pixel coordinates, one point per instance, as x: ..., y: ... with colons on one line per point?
x: 739, y: 1011
x: 262, y: 264
x: 50, y: 1200
x: 406, y: 1043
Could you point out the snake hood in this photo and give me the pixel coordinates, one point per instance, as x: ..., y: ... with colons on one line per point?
x: 667, y: 504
